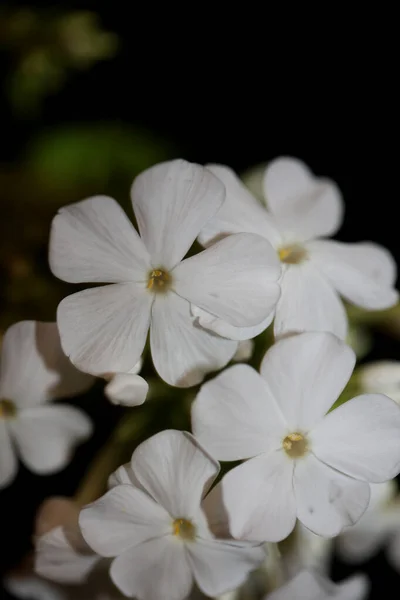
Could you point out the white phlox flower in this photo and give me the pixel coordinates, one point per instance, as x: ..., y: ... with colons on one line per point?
x: 382, y: 375
x: 304, y: 210
x: 310, y: 585
x: 127, y: 389
x: 104, y: 329
x: 378, y: 528
x: 303, y: 463
x: 33, y: 371
x: 152, y: 521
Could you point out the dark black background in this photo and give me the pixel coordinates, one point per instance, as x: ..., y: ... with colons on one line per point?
x: 237, y: 89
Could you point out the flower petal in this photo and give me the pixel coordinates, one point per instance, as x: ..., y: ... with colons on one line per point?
x: 33, y: 588
x: 235, y: 279
x: 220, y: 566
x: 172, y: 201
x: 104, y: 329
x: 121, y: 519
x: 94, y: 241
x: 8, y: 459
x: 240, y: 213
x: 381, y: 376
x: 313, y: 586
x: 259, y: 498
x: 235, y: 415
x: 224, y: 329
x: 122, y: 475
x: 46, y: 436
x: 327, y: 501
x: 182, y: 351
x: 306, y: 373
x: 361, y: 438
x: 155, y: 570
x: 127, y: 389
x: 56, y: 559
x: 303, y: 205
x: 34, y: 368
x: 175, y: 470
x: 363, y: 273
x: 308, y: 302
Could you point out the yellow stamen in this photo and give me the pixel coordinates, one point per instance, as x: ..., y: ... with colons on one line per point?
x: 292, y: 255
x: 295, y: 445
x: 8, y: 409
x: 184, y: 529
x: 158, y: 281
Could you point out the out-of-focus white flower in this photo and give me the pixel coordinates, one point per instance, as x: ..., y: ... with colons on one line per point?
x: 377, y: 528
x: 303, y: 210
x: 104, y: 329
x: 155, y: 526
x: 34, y: 371
x: 304, y: 463
x: 128, y: 389
x: 309, y: 585
x: 381, y: 376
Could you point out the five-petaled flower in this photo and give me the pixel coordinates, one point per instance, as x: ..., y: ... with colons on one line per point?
x: 303, y: 210
x: 304, y: 463
x: 104, y: 329
x: 34, y: 371
x: 154, y: 522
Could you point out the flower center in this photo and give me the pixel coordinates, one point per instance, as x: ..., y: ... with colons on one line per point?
x: 295, y: 445
x: 159, y: 280
x: 184, y: 529
x: 8, y: 409
x: 292, y: 255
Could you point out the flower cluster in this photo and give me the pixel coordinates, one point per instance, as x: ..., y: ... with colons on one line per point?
x: 165, y: 530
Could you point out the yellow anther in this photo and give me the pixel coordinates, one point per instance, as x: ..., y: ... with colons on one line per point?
x: 184, y: 529
x: 158, y: 280
x: 292, y: 255
x: 8, y: 409
x: 295, y: 445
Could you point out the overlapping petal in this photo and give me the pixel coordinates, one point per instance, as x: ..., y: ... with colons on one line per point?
x: 127, y: 389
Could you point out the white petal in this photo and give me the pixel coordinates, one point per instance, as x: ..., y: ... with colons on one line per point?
x: 175, y: 470
x: 359, y: 543
x: 8, y: 459
x: 33, y: 588
x: 327, y: 501
x: 240, y: 213
x: 308, y: 302
x: 244, y: 352
x: 363, y: 273
x: 381, y: 376
x: 127, y: 389
x: 224, y: 329
x: 46, y: 436
x: 124, y: 517
x: 172, y: 201
x: 214, y: 510
x: 93, y: 240
x: 122, y: 475
x: 219, y: 566
x: 155, y: 570
x: 235, y: 416
x: 361, y: 438
x: 306, y: 374
x: 182, y: 351
x: 313, y: 586
x: 259, y: 498
x: 56, y: 559
x: 235, y: 279
x: 303, y: 204
x: 104, y: 329
x: 34, y: 367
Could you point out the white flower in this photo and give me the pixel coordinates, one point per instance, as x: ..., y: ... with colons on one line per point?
x: 304, y: 463
x: 303, y: 210
x: 34, y: 371
x: 309, y: 585
x: 31, y: 587
x: 381, y: 376
x: 378, y: 527
x: 104, y: 329
x: 127, y: 389
x: 155, y: 526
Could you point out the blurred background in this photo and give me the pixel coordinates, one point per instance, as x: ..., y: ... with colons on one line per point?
x: 91, y: 95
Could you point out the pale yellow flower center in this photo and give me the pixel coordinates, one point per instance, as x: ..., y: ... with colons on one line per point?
x: 184, y: 529
x: 292, y: 255
x: 8, y: 409
x: 159, y: 280
x: 295, y: 445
